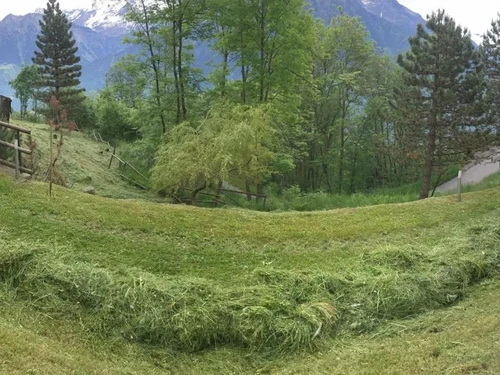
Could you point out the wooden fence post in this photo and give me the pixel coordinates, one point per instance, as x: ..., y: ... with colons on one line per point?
x: 111, y: 161
x: 16, y: 157
x: 459, y: 186
x: 217, y: 196
x: 19, y: 145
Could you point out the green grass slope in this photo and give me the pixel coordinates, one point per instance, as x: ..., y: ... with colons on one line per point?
x: 83, y: 163
x: 238, y: 291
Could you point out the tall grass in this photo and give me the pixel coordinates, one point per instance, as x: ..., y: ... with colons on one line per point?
x: 293, y: 199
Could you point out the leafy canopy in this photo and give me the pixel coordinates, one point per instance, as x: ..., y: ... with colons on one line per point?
x: 233, y: 140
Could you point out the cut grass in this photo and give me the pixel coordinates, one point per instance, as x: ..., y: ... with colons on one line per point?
x: 463, y: 339
x: 193, y: 279
x: 83, y: 163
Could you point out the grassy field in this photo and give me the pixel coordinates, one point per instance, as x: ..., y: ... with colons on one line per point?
x: 96, y: 285
x: 83, y: 163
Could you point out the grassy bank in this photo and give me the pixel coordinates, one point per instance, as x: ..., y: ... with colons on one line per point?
x: 193, y: 279
x: 84, y: 163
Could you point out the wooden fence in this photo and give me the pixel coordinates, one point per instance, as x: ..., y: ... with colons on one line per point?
x: 217, y: 198
x: 17, y: 165
x: 123, y: 165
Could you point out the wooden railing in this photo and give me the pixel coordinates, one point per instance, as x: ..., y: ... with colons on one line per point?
x: 123, y: 165
x: 18, y: 150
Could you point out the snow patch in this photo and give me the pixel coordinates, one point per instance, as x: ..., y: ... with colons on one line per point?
x: 108, y: 14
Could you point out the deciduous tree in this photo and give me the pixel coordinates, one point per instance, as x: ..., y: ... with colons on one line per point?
x: 24, y: 85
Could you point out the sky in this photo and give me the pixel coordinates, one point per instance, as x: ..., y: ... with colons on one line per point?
x: 476, y: 15
x: 20, y: 7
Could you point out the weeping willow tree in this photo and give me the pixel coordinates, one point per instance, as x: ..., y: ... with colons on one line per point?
x: 232, y: 141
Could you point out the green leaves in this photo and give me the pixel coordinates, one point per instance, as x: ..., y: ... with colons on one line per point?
x: 442, y: 73
x: 233, y: 140
x: 56, y: 58
x: 24, y: 85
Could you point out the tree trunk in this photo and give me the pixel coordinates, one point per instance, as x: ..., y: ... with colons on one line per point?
x: 352, y: 187
x: 260, y: 191
x: 262, y: 52
x: 225, y: 72
x: 429, y: 160
x: 195, y: 193
x: 176, y: 74
x: 247, y: 188
x: 341, y: 157
x: 155, y: 68
x: 219, y: 188
x: 181, y: 71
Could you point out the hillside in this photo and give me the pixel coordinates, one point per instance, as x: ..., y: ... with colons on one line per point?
x: 171, y: 289
x: 389, y: 23
x: 83, y: 163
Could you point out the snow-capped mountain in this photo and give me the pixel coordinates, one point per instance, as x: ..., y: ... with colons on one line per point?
x: 392, y: 11
x: 99, y: 32
x: 389, y: 23
x: 108, y: 18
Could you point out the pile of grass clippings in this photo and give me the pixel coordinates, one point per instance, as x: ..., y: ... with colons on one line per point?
x: 283, y: 311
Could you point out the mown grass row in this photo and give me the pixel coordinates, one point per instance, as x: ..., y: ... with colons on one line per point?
x: 279, y: 310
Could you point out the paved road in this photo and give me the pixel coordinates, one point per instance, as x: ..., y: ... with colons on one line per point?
x: 485, y: 165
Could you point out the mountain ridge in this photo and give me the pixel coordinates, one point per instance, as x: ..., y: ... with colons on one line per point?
x: 99, y: 33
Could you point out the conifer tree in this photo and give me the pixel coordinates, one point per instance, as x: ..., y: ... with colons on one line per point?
x: 442, y: 75
x: 490, y: 50
x: 57, y: 59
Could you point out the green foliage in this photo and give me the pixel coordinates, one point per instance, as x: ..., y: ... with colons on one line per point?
x: 165, y: 35
x: 127, y: 81
x: 345, y: 119
x: 490, y: 56
x: 24, y: 86
x: 443, y: 93
x: 338, y: 127
x: 141, y: 153
x: 114, y: 118
x: 85, y: 114
x: 56, y: 59
x: 347, y: 75
x: 233, y: 140
x: 294, y: 199
x: 196, y: 286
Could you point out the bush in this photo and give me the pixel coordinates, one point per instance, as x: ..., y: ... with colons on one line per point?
x: 113, y: 120
x: 85, y: 115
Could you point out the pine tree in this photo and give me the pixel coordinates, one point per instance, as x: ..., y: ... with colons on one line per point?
x: 490, y: 51
x: 57, y: 59
x: 442, y: 74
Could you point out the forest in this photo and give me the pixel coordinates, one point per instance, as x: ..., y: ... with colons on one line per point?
x: 287, y: 104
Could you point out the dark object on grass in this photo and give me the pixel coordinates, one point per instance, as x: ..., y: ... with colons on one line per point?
x: 5, y: 108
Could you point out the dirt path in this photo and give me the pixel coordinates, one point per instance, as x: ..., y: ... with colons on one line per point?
x: 485, y: 164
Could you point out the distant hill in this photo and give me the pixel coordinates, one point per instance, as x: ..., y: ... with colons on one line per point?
x: 389, y: 23
x: 99, y: 34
